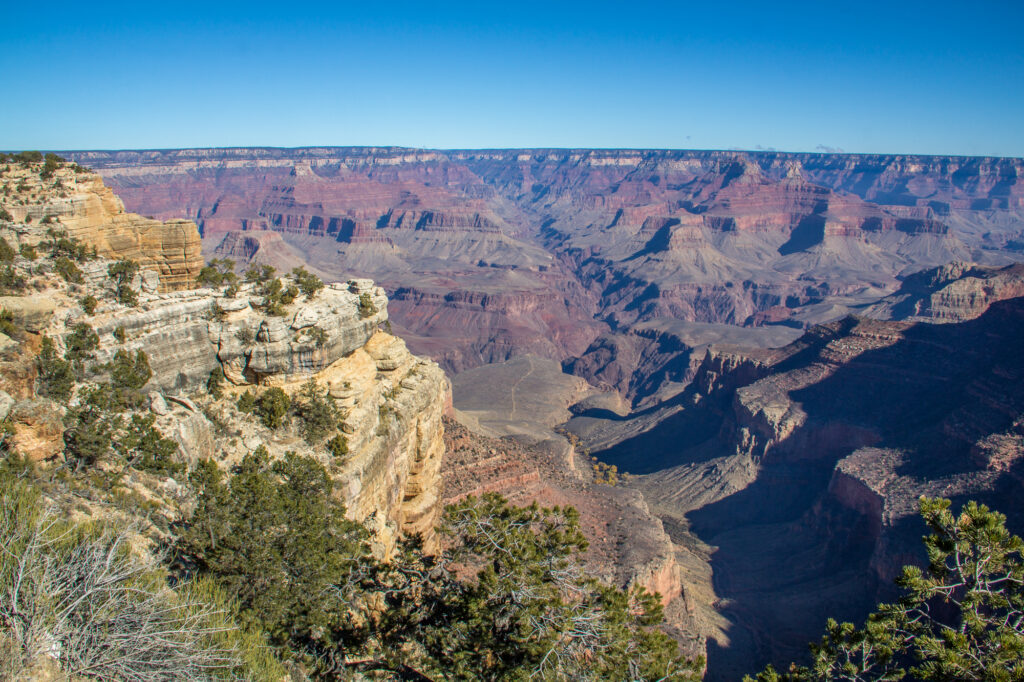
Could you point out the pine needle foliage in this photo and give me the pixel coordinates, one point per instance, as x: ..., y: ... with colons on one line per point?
x: 960, y: 618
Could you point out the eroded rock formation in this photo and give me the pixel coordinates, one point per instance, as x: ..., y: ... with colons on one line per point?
x: 81, y: 205
x: 544, y: 251
x: 391, y: 402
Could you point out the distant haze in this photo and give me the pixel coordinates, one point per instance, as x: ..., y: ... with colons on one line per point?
x: 871, y: 77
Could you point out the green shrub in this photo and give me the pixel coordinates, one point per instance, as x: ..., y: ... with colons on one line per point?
x: 120, y: 334
x: 215, y: 384
x: 27, y: 157
x: 50, y: 166
x: 275, y: 537
x: 246, y: 403
x: 80, y: 344
x: 7, y: 325
x: 91, y: 428
x: 55, y: 377
x: 260, y: 274
x: 88, y: 304
x: 6, y: 252
x: 275, y: 298
x: 28, y: 252
x: 272, y: 407
x: 128, y: 374
x: 123, y: 272
x: 217, y: 273
x: 11, y: 281
x: 308, y: 283
x: 318, y: 415
x: 528, y: 610
x: 338, y: 446
x: 62, y: 245
x: 318, y: 336
x: 146, y: 449
x: 4, y: 213
x: 366, y: 306
x: 289, y: 295
x: 68, y: 270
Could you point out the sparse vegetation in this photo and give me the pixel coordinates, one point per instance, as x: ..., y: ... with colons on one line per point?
x: 245, y: 335
x: 123, y: 272
x: 11, y: 282
x: 272, y: 407
x: 88, y: 304
x: 309, y: 284
x: 120, y: 334
x: 4, y: 213
x: 366, y: 306
x: 317, y: 413
x: 6, y: 252
x: 66, y: 268
x: 83, y: 591
x: 605, y: 474
x: 28, y: 252
x: 318, y: 336
x: 7, y: 325
x: 62, y: 245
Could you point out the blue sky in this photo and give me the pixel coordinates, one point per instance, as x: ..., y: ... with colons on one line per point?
x: 899, y: 77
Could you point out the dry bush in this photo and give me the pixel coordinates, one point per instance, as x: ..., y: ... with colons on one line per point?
x: 79, y: 595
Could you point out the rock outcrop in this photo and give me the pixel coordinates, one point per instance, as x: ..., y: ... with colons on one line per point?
x: 81, y: 205
x: 391, y: 402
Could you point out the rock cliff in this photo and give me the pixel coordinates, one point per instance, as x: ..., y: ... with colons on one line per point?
x: 80, y: 204
x: 390, y: 401
x: 821, y: 451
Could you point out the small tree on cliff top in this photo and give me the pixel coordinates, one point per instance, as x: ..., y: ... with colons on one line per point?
x: 961, y: 618
x: 123, y: 272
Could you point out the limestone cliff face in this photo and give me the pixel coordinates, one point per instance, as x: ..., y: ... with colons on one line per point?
x: 393, y: 403
x: 89, y: 211
x: 390, y: 401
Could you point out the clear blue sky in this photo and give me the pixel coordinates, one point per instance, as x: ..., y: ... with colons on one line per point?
x: 897, y: 76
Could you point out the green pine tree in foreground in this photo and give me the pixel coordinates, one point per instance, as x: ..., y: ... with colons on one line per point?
x: 506, y: 599
x: 961, y: 618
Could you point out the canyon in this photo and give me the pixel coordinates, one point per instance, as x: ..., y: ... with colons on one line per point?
x: 785, y: 350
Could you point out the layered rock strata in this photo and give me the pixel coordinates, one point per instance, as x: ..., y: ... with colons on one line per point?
x: 390, y: 401
x: 81, y: 205
x: 545, y: 251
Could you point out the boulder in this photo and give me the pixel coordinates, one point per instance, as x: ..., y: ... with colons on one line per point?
x: 38, y: 429
x: 31, y: 313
